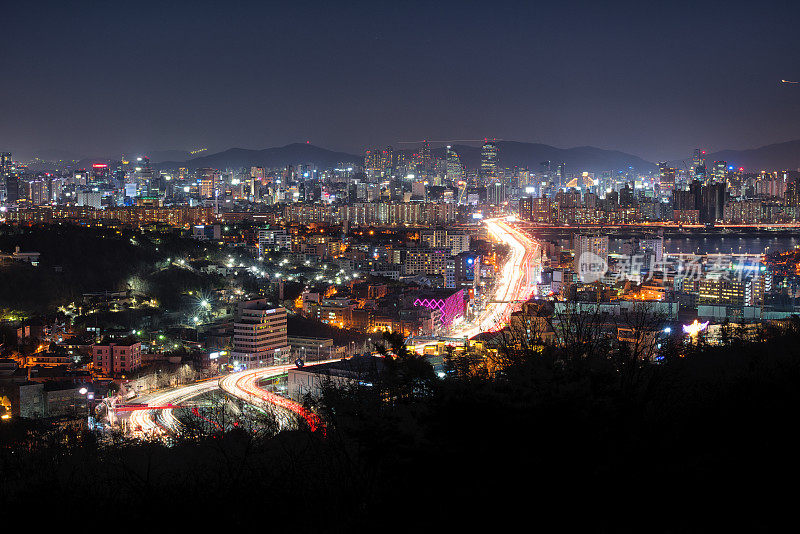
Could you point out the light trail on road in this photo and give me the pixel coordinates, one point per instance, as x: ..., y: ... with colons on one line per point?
x: 515, y: 284
x: 244, y: 385
x: 158, y: 422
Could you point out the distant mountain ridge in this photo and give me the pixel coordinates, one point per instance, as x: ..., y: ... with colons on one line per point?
x: 532, y: 155
x: 777, y: 156
x: 291, y: 154
x: 511, y: 154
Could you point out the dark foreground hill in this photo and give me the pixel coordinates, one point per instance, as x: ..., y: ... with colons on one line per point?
x: 701, y: 443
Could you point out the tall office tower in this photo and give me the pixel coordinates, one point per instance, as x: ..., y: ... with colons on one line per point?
x: 387, y: 161
x: 496, y: 193
x: 546, y: 179
x: 712, y: 202
x: 585, y: 243
x: 425, y: 153
x: 145, y: 177
x: 455, y: 170
x: 719, y: 171
x: 257, y: 173
x: 100, y: 173
x: 489, y: 166
x: 423, y: 161
x: 207, y: 182
x: 259, y: 333
x: 627, y: 197
x: 256, y: 179
x: 666, y: 178
x: 698, y: 160
x: 11, y: 186
x: 561, y: 175
x: 38, y: 190
x: 372, y: 162
x: 523, y: 177
x: 5, y: 162
x: 401, y: 164
x: 526, y: 208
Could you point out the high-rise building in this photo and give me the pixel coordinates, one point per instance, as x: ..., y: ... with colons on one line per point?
x: 526, y: 208
x: 259, y: 333
x: 731, y: 292
x: 666, y: 178
x: 712, y: 202
x: 207, y: 181
x: 373, y: 165
x: 387, y: 161
x: 496, y: 193
x: 5, y: 162
x: 456, y: 241
x: 561, y: 175
x: 583, y: 244
x: 423, y: 162
x: 698, y: 161
x: 11, y: 186
x: 489, y: 161
x: 719, y: 171
x: 455, y: 170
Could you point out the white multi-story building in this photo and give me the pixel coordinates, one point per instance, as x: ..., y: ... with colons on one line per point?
x: 273, y: 240
x: 457, y: 242
x: 259, y: 334
x: 584, y: 246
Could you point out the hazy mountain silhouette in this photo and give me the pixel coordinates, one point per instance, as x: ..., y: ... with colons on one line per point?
x: 532, y: 155
x: 529, y: 155
x: 511, y: 153
x: 292, y: 154
x: 778, y: 156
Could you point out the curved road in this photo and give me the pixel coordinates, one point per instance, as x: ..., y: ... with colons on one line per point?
x: 161, y: 421
x: 516, y: 283
x: 158, y: 422
x: 244, y: 385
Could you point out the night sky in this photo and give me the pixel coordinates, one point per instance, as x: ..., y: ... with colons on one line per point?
x: 651, y: 79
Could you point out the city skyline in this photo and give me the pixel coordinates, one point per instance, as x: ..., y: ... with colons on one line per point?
x: 111, y: 79
x: 347, y: 267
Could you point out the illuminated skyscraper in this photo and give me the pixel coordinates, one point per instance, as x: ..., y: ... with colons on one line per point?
x: 589, y: 248
x: 496, y: 193
x: 489, y: 166
x: 561, y: 175
x: 698, y: 162
x: 387, y: 161
x: 424, y: 161
x: 207, y: 181
x: 372, y: 162
x: 719, y: 171
x: 455, y: 170
x: 666, y: 178
x: 5, y: 161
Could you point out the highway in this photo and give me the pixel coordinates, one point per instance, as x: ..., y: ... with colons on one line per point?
x: 244, y: 385
x: 514, y: 284
x: 160, y: 421
x: 152, y: 415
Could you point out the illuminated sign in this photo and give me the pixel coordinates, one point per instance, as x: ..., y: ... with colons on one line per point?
x: 694, y: 328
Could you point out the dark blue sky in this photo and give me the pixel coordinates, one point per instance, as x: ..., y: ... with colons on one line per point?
x: 651, y: 79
